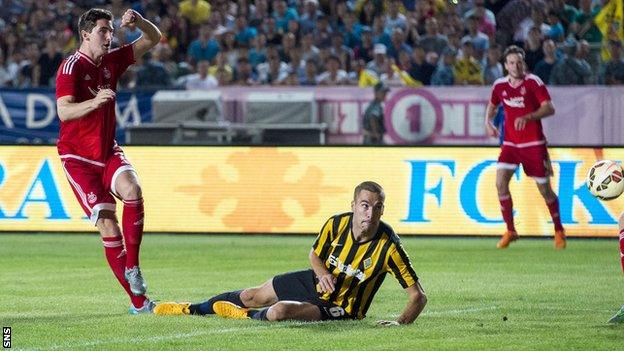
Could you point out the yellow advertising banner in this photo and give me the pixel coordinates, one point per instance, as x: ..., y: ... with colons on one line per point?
x: 429, y: 190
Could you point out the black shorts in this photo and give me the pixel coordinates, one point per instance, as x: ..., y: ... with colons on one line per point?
x: 301, y: 286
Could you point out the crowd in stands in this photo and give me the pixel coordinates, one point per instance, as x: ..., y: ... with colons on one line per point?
x: 214, y: 43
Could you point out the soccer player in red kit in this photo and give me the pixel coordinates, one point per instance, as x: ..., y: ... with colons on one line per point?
x: 526, y: 101
x: 94, y: 164
x: 619, y: 316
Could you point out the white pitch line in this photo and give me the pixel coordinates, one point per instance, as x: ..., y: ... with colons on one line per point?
x: 150, y: 339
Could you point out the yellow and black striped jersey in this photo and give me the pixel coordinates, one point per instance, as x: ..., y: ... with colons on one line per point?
x: 360, y: 268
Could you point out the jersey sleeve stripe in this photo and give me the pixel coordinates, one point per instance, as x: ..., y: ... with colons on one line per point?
x: 397, y: 272
x: 69, y: 64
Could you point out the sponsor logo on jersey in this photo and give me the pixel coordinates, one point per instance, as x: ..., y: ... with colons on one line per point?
x: 346, y: 269
x: 517, y: 102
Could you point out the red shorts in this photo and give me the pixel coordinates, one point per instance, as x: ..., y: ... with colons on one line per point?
x: 534, y: 160
x: 93, y: 182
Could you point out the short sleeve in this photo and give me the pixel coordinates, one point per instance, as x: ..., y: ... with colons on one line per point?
x: 400, y: 266
x: 66, y: 79
x: 494, y: 98
x: 122, y: 57
x: 541, y: 92
x: 323, y: 240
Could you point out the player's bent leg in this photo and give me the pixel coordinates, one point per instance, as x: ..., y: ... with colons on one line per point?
x: 293, y: 310
x: 261, y: 296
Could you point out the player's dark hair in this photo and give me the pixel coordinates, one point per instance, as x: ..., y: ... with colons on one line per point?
x: 369, y: 186
x: 88, y: 19
x: 513, y: 49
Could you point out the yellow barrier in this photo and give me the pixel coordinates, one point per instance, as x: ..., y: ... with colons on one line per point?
x: 433, y: 190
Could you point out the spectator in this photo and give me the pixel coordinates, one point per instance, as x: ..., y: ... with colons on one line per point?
x: 244, y: 74
x: 201, y: 80
x: 260, y: 11
x: 492, y: 69
x: 243, y: 32
x: 533, y: 48
x: 379, y: 59
x: 583, y: 23
x: 364, y: 50
x: 509, y: 17
x: 205, y: 47
x: 544, y: 67
x: 274, y: 70
x: 5, y: 76
x: 288, y: 44
x: 351, y: 31
x: 309, y: 52
x: 323, y: 32
x: 572, y: 69
x: 421, y: 70
x: 309, y: 78
x: 467, y: 69
x: 486, y: 19
x: 152, y: 73
x: 49, y: 63
x: 398, y: 44
x: 257, y: 54
x: 273, y: 35
x: 444, y: 74
x: 614, y: 68
x: 333, y: 75
x: 282, y: 14
x: 380, y: 35
x: 433, y: 40
x: 395, y: 19
x: 556, y: 32
x: 30, y: 71
x: 480, y: 41
x: 222, y: 70
x: 535, y: 20
x: 310, y: 16
x: 343, y: 52
x: 367, y: 12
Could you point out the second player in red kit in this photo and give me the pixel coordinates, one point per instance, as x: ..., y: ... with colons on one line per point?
x: 526, y: 101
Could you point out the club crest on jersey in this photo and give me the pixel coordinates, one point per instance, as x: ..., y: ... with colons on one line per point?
x: 91, y: 197
x: 107, y: 73
x: 504, y: 93
x: 368, y: 263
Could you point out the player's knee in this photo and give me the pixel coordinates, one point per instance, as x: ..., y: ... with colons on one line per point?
x: 621, y: 221
x: 108, y: 226
x: 132, y: 192
x: 247, y: 296
x: 279, y: 312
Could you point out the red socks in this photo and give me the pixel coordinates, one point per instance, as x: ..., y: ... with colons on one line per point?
x: 553, y: 207
x: 507, y: 211
x: 116, y: 257
x: 132, y: 229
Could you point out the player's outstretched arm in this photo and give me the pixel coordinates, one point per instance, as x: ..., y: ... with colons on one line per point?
x: 415, y: 305
x: 151, y: 34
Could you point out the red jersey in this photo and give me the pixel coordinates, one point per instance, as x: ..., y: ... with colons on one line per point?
x: 91, y: 137
x: 517, y: 102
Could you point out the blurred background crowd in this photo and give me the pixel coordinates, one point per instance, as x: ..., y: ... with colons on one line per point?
x: 214, y: 43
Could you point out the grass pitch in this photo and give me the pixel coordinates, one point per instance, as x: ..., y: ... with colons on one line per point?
x: 57, y: 293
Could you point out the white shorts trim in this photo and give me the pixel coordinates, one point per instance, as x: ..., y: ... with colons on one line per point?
x: 504, y: 165
x: 529, y: 144
x: 95, y: 211
x: 118, y: 171
x: 76, y: 157
x: 540, y: 180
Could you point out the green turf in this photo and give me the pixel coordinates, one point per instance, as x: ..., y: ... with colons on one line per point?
x: 56, y: 292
